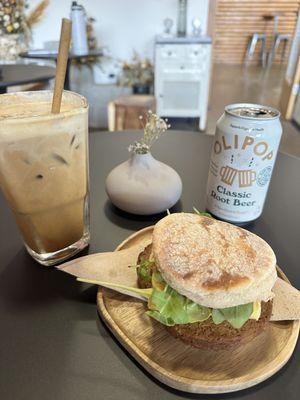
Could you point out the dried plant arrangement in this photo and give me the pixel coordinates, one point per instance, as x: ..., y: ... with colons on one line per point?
x: 154, y: 128
x: 13, y: 18
x: 137, y: 72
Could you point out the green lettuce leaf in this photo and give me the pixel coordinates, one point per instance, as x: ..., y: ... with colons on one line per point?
x: 204, y: 214
x: 167, y: 305
x: 160, y: 318
x: 157, y: 281
x: 169, y: 308
x: 217, y: 316
x: 196, y: 312
x: 144, y: 270
x: 236, y: 316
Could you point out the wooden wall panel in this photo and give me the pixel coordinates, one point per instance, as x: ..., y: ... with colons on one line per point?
x: 237, y: 20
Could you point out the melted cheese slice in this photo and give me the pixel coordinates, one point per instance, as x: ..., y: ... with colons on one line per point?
x: 256, y: 311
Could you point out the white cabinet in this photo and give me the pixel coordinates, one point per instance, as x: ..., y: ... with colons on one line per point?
x: 182, y: 76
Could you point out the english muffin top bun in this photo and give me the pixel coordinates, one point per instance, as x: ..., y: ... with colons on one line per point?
x: 213, y: 263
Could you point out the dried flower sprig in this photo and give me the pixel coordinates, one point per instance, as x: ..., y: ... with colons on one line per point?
x: 36, y: 15
x: 153, y: 129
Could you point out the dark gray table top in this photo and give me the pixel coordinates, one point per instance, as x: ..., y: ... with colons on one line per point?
x: 52, y: 343
x: 21, y: 74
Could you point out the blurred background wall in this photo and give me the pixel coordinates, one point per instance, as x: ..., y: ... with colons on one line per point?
x: 121, y: 25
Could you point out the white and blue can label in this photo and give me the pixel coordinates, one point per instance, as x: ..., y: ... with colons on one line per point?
x: 242, y: 160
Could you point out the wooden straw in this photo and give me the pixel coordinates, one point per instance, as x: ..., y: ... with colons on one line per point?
x: 61, y: 65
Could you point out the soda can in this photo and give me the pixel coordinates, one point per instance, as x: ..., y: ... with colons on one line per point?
x: 242, y: 160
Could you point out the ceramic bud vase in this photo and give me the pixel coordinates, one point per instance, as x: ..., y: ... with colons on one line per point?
x: 143, y: 185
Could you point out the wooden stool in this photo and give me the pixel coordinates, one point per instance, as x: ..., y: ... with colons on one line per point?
x: 124, y: 112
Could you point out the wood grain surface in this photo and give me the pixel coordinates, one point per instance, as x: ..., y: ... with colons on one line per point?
x: 186, y: 368
x: 237, y: 20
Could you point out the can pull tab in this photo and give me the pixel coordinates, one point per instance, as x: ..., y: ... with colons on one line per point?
x: 255, y: 113
x: 262, y: 112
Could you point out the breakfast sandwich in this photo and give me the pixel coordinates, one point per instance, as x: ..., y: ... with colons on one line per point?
x: 211, y: 281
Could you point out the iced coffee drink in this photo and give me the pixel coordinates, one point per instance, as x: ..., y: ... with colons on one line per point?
x: 44, y: 171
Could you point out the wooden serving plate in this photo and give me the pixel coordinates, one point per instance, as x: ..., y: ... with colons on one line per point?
x: 186, y: 368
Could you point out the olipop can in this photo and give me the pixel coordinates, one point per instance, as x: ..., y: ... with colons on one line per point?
x: 242, y: 160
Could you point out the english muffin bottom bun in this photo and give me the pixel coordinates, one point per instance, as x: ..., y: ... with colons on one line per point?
x: 213, y: 263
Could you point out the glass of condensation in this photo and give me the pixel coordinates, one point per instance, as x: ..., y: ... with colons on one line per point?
x: 44, y: 172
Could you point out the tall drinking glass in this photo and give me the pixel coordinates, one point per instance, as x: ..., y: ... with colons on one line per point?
x: 44, y: 172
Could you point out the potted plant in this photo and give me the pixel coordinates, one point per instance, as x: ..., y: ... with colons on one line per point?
x: 138, y: 74
x: 15, y: 26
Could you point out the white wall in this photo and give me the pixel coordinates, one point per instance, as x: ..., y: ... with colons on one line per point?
x: 121, y: 25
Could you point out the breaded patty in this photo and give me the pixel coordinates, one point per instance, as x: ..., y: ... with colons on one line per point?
x: 206, y: 334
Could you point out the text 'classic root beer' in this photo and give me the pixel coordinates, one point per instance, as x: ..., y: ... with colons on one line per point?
x: 242, y: 159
